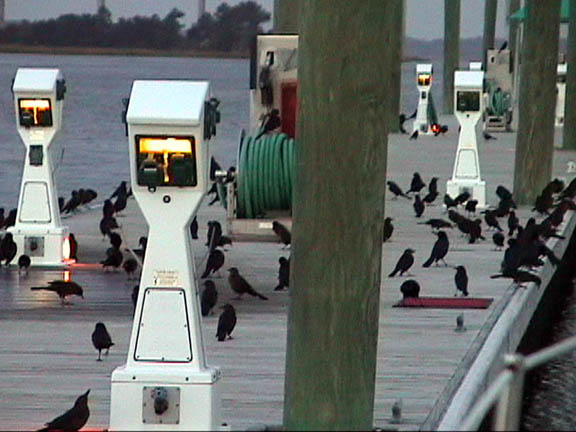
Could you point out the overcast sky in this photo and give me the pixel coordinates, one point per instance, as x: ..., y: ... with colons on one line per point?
x: 424, y: 17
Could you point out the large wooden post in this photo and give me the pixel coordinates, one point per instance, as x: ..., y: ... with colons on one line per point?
x: 393, y: 46
x: 569, y: 141
x: 286, y: 13
x: 535, y: 139
x: 490, y: 9
x: 337, y: 231
x: 451, y: 51
x: 513, y: 6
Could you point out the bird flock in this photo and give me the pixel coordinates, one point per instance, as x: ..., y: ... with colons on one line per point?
x: 524, y: 246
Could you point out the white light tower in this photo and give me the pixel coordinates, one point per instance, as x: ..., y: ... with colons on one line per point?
x: 423, y: 122
x: 165, y: 383
x: 468, y: 107
x: 560, y: 93
x: 38, y: 232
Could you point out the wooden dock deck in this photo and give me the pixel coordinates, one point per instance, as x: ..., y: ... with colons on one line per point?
x: 47, y: 359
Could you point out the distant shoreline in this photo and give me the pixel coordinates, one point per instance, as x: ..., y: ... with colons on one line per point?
x: 139, y: 52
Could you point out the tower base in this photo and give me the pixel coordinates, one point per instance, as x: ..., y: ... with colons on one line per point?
x: 46, y: 246
x: 476, y: 188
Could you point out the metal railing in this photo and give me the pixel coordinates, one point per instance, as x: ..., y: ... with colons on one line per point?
x: 507, y: 389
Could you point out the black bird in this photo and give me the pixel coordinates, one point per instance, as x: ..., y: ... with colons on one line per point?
x: 8, y: 249
x: 414, y: 135
x: 270, y: 122
x: 462, y: 198
x: 503, y: 193
x: 418, y: 206
x: 121, y: 189
x: 63, y: 289
x: 73, y: 246
x: 101, y: 339
x: 73, y: 203
x: 404, y: 263
x: 130, y: 266
x: 441, y: 130
x: 437, y: 223
x: 433, y: 185
x: 61, y: 202
x: 142, y: 242
x: 108, y: 209
x: 416, y: 185
x: 544, y: 202
x: 388, y: 229
x: 194, y: 228
x: 283, y: 274
x: 24, y: 262
x: 513, y: 222
x: 89, y: 196
x: 282, y: 232
x: 107, y: 224
x: 471, y: 206
x: 114, y: 258
x: 226, y: 322
x: 498, y: 239
x: 241, y: 286
x: 208, y: 298
x: 2, y: 217
x: 115, y: 240
x: 554, y: 187
x: 72, y: 420
x: 430, y: 197
x: 491, y: 220
x: 449, y: 202
x: 520, y: 277
x: 410, y: 289
x: 439, y: 250
x: 214, y: 234
x: 487, y: 136
x: 395, y: 189
x: 504, y: 208
x: 461, y: 281
x: 134, y: 295
x: 214, y: 263
x: 224, y: 240
x: 503, y: 46
x: 121, y: 202
x: 475, y: 231
x: 11, y: 218
x: 401, y: 121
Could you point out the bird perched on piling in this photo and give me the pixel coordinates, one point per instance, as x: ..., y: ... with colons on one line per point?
x: 439, y: 250
x: 241, y: 286
x: 63, y: 289
x: 461, y: 281
x: 72, y: 420
x: 282, y: 232
x: 24, y: 262
x: 214, y: 263
x: 8, y: 249
x: 208, y: 298
x: 388, y: 229
x: 101, y: 339
x: 404, y: 263
x: 130, y: 266
x: 418, y: 206
x: 395, y: 189
x: 283, y: 274
x: 410, y: 289
x: 226, y: 322
x: 416, y: 185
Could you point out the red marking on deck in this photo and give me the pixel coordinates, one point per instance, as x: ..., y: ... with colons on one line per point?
x: 445, y: 302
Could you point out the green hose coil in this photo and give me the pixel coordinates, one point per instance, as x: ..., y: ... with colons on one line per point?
x: 265, y: 175
x: 498, y: 100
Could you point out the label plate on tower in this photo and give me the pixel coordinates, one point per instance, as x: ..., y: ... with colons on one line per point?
x: 166, y: 278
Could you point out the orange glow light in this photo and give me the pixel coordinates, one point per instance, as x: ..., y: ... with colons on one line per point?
x: 67, y: 277
x: 165, y: 145
x: 424, y: 79
x: 41, y: 104
x: 435, y: 128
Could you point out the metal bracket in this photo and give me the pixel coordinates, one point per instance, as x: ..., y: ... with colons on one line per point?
x: 171, y: 405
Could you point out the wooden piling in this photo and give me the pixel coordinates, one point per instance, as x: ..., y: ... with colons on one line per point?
x: 569, y: 139
x: 537, y: 102
x: 490, y: 9
x: 286, y: 13
x: 337, y: 231
x: 451, y: 51
x: 394, y: 48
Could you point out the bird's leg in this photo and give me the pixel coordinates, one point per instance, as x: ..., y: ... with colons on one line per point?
x: 445, y: 263
x: 107, y: 351
x: 99, y: 355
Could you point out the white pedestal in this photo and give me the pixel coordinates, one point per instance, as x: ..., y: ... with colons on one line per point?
x: 44, y: 245
x: 476, y: 188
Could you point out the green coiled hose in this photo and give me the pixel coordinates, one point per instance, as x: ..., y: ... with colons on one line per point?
x: 265, y: 175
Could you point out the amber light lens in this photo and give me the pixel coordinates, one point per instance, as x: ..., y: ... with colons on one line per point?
x: 165, y: 145
x: 424, y: 79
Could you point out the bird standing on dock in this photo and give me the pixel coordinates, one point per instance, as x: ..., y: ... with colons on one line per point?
x: 437, y: 224
x: 416, y: 185
x: 404, y: 263
x: 283, y: 274
x: 130, y: 266
x: 439, y: 250
x: 63, y: 289
x: 72, y: 420
x: 113, y: 259
x: 24, y: 262
x: 388, y: 229
x: 241, y: 286
x: 498, y: 239
x: 283, y: 233
x: 395, y: 189
x: 107, y: 224
x: 214, y: 234
x: 418, y: 206
x: 471, y: 206
x: 101, y: 339
x: 208, y: 298
x: 214, y: 263
x: 461, y: 281
x: 513, y: 222
x: 226, y: 322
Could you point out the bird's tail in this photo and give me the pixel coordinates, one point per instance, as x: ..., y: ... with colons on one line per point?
x: 205, y: 309
x: 221, y: 336
x: 393, y: 273
x: 206, y: 272
x: 261, y: 297
x: 498, y: 276
x: 429, y: 262
x: 37, y: 288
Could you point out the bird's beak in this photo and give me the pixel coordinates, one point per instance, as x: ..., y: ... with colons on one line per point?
x: 86, y: 394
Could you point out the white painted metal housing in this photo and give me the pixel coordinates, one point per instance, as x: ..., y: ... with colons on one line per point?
x: 424, y: 78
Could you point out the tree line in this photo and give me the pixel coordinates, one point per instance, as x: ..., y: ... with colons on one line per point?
x: 228, y: 29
